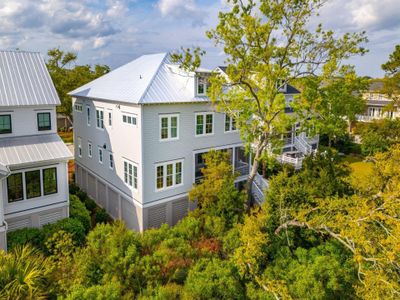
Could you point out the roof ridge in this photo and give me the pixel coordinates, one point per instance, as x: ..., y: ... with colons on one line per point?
x: 20, y: 51
x: 153, y: 77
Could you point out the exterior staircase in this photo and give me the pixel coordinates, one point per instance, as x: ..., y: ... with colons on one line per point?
x: 296, y: 158
x: 260, y: 184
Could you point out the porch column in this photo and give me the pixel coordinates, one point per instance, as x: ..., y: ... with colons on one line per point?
x: 233, y: 159
x: 4, y: 172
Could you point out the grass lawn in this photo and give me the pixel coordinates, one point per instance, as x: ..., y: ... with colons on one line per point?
x: 361, y: 170
x: 67, y: 137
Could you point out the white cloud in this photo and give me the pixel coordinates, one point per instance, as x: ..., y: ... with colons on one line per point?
x: 175, y: 7
x: 99, y: 42
x: 77, y: 45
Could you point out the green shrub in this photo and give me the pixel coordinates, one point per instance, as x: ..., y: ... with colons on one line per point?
x: 70, y: 225
x: 101, y: 215
x: 24, y: 236
x: 73, y: 188
x: 77, y: 210
x: 90, y: 205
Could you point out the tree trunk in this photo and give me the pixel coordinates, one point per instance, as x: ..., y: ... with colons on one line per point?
x: 250, y: 179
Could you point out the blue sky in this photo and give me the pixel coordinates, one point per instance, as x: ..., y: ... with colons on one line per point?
x: 114, y: 32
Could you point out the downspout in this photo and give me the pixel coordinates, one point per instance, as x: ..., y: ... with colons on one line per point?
x: 4, y: 173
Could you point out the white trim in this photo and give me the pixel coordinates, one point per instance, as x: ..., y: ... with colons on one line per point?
x: 88, y: 115
x: 164, y: 165
x: 169, y: 117
x: 204, y: 114
x: 90, y: 150
x: 230, y: 124
x: 76, y: 105
x: 100, y: 118
x: 133, y: 116
x: 102, y: 155
x: 110, y: 113
x: 80, y: 147
x: 111, y: 159
x: 134, y: 165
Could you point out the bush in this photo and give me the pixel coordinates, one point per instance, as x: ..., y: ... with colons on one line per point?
x: 90, y: 205
x: 70, y: 225
x: 101, y: 216
x: 23, y: 237
x: 77, y: 210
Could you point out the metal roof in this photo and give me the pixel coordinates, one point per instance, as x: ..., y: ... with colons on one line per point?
x: 24, y: 80
x: 33, y: 149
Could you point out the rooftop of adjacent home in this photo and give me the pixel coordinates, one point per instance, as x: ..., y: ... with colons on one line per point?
x: 149, y: 79
x: 25, y: 80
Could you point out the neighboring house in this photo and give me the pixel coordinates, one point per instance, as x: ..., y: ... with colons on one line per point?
x: 140, y: 135
x: 33, y: 159
x: 378, y: 105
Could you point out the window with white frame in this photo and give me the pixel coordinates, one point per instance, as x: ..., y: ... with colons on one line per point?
x: 129, y: 119
x: 88, y: 115
x: 100, y: 155
x: 78, y: 107
x: 204, y: 123
x: 169, y: 174
x: 90, y: 150
x: 169, y: 127
x: 79, y: 147
x: 130, y: 174
x: 111, y: 160
x: 100, y: 118
x: 110, y: 118
x: 202, y: 85
x: 230, y: 123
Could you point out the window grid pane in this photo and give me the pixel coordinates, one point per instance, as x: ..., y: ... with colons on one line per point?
x: 170, y: 174
x: 50, y: 181
x: 32, y: 184
x: 178, y: 173
x: 44, y: 122
x: 164, y: 128
x: 174, y: 127
x: 15, y: 188
x: 209, y: 123
x: 5, y: 124
x: 199, y: 124
x: 160, y: 177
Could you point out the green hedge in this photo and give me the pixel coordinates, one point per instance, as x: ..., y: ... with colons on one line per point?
x: 24, y: 236
x: 69, y: 225
x: 77, y: 210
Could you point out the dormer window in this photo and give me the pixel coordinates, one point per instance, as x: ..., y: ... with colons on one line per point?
x: 5, y: 124
x: 202, y: 85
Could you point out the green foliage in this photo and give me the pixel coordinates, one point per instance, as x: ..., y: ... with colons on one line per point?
x: 23, y: 237
x: 378, y: 135
x: 109, y: 291
x: 343, y: 143
x: 22, y: 274
x: 67, y: 76
x: 101, y: 216
x: 72, y: 226
x: 214, y: 279
x: 216, y: 194
x: 391, y: 81
x: 77, y: 210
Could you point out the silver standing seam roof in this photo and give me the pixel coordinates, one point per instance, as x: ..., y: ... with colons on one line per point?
x: 25, y: 80
x: 16, y: 151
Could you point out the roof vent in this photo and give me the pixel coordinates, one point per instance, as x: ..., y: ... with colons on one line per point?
x: 140, y: 76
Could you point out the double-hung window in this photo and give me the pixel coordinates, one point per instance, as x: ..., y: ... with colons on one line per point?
x: 44, y: 121
x: 169, y: 127
x: 230, y: 123
x: 50, y: 181
x: 100, y: 155
x: 204, y: 123
x: 202, y: 85
x: 111, y: 160
x: 100, y: 118
x: 110, y: 118
x: 79, y: 147
x: 88, y: 115
x: 5, y: 124
x: 169, y: 174
x: 90, y: 150
x: 130, y: 174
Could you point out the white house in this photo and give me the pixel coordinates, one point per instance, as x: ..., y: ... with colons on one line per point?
x: 33, y: 158
x: 140, y: 132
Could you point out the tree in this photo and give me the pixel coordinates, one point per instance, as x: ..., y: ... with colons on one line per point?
x: 269, y: 44
x: 366, y: 223
x: 216, y: 194
x: 391, y: 81
x: 67, y: 76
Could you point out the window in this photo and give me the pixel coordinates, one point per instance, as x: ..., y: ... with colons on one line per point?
x: 129, y: 119
x: 202, y: 86
x: 130, y: 175
x: 32, y: 184
x: 100, y: 155
x: 44, y: 122
x: 168, y: 175
x: 169, y: 127
x: 111, y: 161
x: 90, y: 150
x: 88, y: 115
x: 79, y: 147
x: 100, y: 118
x: 230, y: 123
x: 5, y: 124
x: 78, y: 107
x: 15, y: 188
x: 50, y: 181
x: 204, y: 123
x: 110, y: 118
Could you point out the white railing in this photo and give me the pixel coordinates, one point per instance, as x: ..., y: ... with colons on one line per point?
x: 364, y: 118
x: 297, y: 162
x: 258, y: 187
x: 302, y: 145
